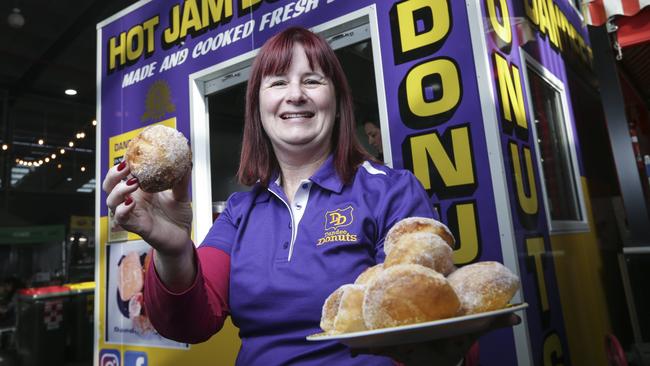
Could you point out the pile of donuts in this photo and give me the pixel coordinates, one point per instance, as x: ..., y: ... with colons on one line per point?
x: 418, y: 282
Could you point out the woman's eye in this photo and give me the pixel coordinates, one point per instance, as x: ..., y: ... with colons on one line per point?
x: 312, y: 82
x: 278, y: 83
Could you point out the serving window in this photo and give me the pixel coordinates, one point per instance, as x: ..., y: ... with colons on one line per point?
x: 226, y: 97
x: 556, y: 150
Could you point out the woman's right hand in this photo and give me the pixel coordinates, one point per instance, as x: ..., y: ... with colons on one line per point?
x: 162, y: 219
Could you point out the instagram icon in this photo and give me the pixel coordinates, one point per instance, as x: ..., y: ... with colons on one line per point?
x: 109, y: 357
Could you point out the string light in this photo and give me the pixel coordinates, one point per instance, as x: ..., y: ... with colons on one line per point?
x: 31, y: 162
x: 83, y: 168
x: 5, y: 147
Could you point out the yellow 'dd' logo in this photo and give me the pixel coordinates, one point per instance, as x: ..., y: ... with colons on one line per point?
x: 338, y: 218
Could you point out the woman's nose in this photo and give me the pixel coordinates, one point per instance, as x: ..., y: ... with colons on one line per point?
x: 295, y: 94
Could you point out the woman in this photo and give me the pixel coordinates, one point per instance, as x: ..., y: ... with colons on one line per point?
x: 315, y: 218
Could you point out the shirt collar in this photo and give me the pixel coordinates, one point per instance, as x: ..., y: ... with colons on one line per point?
x: 325, y: 176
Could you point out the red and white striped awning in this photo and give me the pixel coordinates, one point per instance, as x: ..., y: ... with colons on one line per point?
x: 598, y: 11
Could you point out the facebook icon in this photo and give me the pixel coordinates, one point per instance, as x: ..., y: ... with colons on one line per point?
x: 134, y: 358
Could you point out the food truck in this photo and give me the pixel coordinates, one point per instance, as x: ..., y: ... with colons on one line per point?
x: 476, y: 98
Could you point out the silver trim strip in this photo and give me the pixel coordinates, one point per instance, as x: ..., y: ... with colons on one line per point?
x: 98, y: 190
x: 636, y: 250
x: 497, y: 167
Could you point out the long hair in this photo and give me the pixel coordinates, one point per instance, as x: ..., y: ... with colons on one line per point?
x: 257, y: 160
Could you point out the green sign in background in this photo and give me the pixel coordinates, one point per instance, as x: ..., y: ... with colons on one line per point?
x: 32, y: 234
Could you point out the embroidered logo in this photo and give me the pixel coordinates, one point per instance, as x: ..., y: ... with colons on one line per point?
x: 334, y: 221
x: 338, y: 218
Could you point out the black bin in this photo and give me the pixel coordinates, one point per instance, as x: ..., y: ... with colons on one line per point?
x: 41, y: 325
x: 80, y: 322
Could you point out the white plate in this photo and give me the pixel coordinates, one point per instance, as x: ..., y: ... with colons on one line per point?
x: 420, y: 332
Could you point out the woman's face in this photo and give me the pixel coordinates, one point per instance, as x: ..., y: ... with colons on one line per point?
x: 298, y: 108
x: 374, y: 136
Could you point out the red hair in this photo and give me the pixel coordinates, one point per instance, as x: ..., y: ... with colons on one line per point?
x: 258, y: 161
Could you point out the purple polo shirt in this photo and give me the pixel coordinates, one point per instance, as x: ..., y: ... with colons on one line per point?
x: 285, y: 261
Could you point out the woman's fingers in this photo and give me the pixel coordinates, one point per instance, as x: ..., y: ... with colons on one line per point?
x: 114, y: 176
x: 120, y: 191
x: 502, y: 321
x: 123, y: 210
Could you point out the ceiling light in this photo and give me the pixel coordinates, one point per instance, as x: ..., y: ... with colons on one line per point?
x: 62, y: 151
x: 59, y: 166
x: 69, y: 179
x: 83, y: 168
x: 16, y: 19
x: 78, y: 136
x: 40, y: 141
x: 40, y: 162
x: 53, y: 156
x: 70, y: 92
x: 82, y: 134
x: 5, y: 146
x: 94, y: 122
x: 71, y: 144
x: 47, y: 160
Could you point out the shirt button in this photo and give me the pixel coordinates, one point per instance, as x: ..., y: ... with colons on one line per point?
x: 285, y: 245
x: 289, y: 225
x: 305, y: 186
x: 298, y: 207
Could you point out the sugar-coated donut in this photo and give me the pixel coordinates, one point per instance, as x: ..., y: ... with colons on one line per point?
x: 407, y: 294
x: 483, y: 286
x: 423, y: 248
x: 159, y: 157
x: 413, y: 225
x: 342, y: 310
x: 366, y: 276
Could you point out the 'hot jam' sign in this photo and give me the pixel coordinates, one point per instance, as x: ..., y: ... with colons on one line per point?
x: 193, y: 18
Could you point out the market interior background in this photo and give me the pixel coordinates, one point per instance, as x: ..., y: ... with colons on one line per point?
x: 47, y: 139
x: 47, y: 159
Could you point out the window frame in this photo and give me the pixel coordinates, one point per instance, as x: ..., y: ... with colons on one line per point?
x: 557, y: 226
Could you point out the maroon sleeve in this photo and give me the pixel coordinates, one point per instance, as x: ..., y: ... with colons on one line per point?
x: 194, y: 315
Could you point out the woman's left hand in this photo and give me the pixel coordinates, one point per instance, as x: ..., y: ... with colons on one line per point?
x: 447, y: 351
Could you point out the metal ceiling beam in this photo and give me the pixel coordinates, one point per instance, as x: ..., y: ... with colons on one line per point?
x: 88, y: 18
